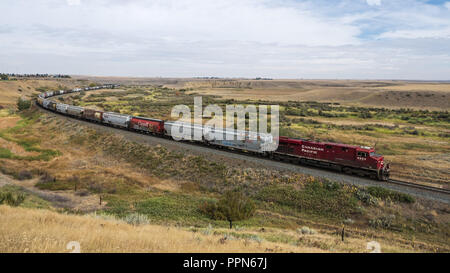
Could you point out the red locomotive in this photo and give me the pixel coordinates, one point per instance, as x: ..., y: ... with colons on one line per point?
x: 346, y: 158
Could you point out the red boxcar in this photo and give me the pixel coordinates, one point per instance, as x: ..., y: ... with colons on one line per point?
x: 348, y: 158
x: 148, y: 125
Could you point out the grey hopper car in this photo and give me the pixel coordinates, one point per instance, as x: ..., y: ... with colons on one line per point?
x: 46, y: 103
x: 240, y: 140
x: 61, y: 108
x: 116, y: 119
x: 75, y: 111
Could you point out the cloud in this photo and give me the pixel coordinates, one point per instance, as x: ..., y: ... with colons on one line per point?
x: 287, y: 39
x: 232, y: 20
x: 415, y: 34
x: 73, y: 2
x: 447, y: 5
x: 373, y: 2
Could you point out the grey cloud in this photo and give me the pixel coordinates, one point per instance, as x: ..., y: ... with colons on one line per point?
x: 201, y: 38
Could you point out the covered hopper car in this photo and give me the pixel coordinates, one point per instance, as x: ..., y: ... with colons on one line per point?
x: 116, y: 119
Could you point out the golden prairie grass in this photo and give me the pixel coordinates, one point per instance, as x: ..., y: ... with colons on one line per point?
x: 27, y: 230
x: 44, y: 231
x: 11, y: 90
x: 374, y: 93
x: 438, y: 87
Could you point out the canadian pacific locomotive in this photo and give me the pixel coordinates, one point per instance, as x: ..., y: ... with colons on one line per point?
x: 345, y: 158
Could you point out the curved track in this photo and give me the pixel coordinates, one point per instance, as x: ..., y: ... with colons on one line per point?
x: 422, y: 191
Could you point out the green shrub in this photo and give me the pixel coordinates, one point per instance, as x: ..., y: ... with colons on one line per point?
x: 23, y: 104
x: 366, y: 197
x: 385, y: 222
x: 319, y: 198
x: 233, y: 206
x: 211, y: 209
x: 136, y: 219
x: 11, y: 199
x: 386, y: 194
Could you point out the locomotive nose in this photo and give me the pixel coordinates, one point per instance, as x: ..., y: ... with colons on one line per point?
x: 386, y: 171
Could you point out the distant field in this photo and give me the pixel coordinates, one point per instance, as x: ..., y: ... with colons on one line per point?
x: 373, y: 93
x: 395, y: 94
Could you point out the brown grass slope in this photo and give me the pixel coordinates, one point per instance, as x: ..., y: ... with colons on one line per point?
x: 27, y: 230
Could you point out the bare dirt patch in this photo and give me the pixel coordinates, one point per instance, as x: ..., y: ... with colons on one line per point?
x: 8, y: 122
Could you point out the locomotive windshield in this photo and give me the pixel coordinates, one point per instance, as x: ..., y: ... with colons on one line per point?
x: 374, y: 154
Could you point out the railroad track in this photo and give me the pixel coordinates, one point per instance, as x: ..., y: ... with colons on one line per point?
x: 390, y: 181
x: 418, y: 186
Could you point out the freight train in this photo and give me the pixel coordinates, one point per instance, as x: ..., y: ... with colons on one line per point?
x: 349, y: 159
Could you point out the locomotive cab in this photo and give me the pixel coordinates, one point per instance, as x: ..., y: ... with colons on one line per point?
x: 367, y: 158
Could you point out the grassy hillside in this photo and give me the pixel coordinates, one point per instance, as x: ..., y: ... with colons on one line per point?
x: 78, y: 181
x: 135, y: 178
x: 33, y: 230
x: 27, y: 230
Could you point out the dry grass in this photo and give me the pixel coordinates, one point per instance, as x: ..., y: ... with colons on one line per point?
x: 444, y: 87
x: 7, y: 122
x: 32, y: 230
x: 26, y: 230
x: 373, y: 93
x: 10, y: 91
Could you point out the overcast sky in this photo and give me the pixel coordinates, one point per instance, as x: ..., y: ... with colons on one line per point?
x: 341, y: 39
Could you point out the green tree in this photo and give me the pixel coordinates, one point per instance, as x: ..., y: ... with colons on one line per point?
x: 23, y: 104
x: 233, y: 206
x: 4, y: 77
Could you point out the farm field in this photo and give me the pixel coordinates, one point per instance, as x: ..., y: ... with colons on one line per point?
x: 73, y: 176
